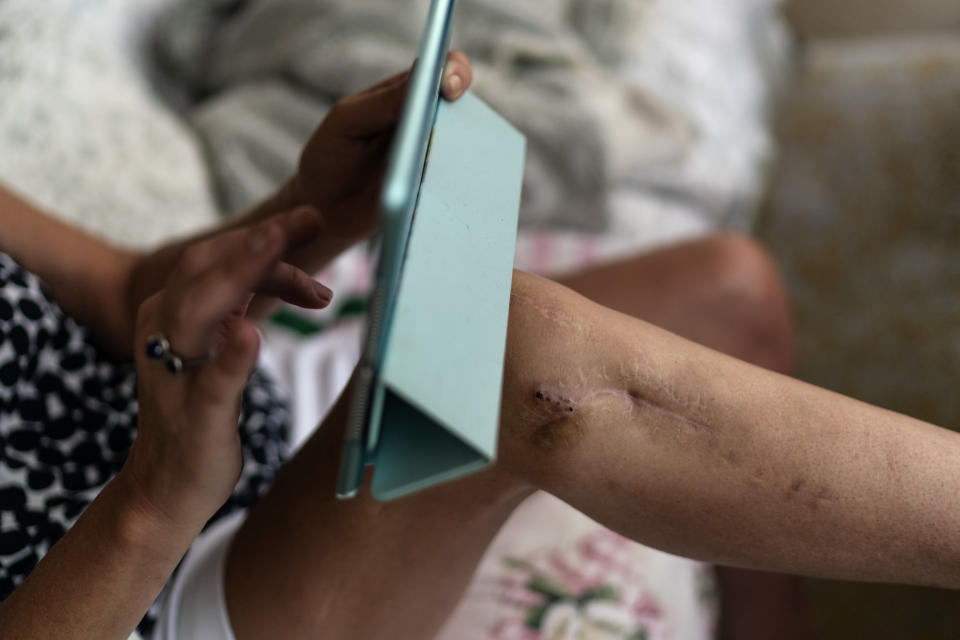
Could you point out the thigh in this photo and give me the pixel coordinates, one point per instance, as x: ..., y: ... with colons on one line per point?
x: 305, y: 564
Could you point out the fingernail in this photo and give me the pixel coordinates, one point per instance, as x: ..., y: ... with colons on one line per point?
x: 453, y: 83
x: 323, y: 292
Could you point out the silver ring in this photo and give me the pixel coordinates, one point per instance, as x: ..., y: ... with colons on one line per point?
x: 158, y: 348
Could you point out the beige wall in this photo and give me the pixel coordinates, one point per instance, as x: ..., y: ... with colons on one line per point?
x: 841, y: 18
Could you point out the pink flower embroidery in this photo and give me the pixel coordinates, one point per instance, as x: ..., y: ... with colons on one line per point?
x: 590, y: 591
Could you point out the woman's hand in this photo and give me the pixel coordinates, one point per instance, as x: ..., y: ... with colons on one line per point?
x: 341, y: 167
x: 340, y: 172
x: 187, y: 457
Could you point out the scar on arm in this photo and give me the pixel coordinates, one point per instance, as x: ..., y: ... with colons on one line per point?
x: 555, y: 402
x: 558, y: 409
x: 553, y: 430
x: 811, y: 496
x: 551, y: 313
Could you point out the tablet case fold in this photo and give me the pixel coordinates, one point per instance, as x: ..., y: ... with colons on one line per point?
x: 440, y: 383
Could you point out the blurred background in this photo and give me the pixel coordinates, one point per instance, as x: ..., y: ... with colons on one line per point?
x: 863, y: 214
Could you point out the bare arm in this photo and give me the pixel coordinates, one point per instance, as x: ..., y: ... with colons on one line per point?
x: 665, y: 441
x: 703, y: 455
x: 100, y: 578
x: 101, y: 285
x: 84, y: 274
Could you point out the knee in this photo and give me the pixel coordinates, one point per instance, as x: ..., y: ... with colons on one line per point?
x: 755, y: 297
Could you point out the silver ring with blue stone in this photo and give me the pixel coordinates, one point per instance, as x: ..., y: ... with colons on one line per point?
x: 158, y: 348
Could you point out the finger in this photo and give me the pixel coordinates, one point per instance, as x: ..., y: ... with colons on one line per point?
x: 298, y: 226
x: 458, y: 75
x: 194, y: 309
x: 223, y: 291
x: 191, y: 329
x: 293, y: 285
x: 218, y: 385
x: 374, y: 111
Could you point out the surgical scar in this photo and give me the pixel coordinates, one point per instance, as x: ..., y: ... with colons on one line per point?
x: 558, y: 404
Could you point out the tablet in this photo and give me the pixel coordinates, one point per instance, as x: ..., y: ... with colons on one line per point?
x: 398, y: 200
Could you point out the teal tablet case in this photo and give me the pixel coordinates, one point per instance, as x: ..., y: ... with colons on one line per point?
x: 442, y: 369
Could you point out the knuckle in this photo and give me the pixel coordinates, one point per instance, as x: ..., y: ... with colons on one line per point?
x: 285, y: 272
x: 257, y: 234
x: 236, y: 274
x: 193, y: 260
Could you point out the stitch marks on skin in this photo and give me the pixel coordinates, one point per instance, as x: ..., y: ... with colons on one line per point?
x: 557, y: 406
x: 556, y: 402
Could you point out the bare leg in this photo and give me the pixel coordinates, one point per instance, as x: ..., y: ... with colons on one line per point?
x: 663, y: 440
x: 723, y: 292
x: 306, y: 565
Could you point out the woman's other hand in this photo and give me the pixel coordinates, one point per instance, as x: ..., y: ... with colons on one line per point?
x: 342, y: 165
x: 340, y: 173
x: 187, y: 458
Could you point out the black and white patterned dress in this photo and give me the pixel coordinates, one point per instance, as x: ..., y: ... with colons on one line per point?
x: 68, y: 416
